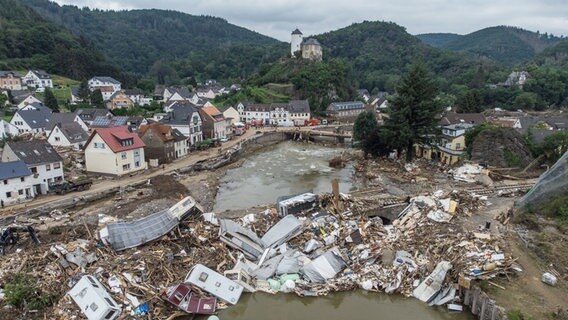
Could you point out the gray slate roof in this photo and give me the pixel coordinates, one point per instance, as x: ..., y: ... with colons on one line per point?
x: 61, y: 118
x: 346, y: 105
x: 90, y: 114
x: 181, y: 114
x: 106, y: 79
x: 36, y: 118
x: 35, y: 152
x: 13, y: 169
x: 178, y: 136
x: 297, y: 31
x: 311, y: 41
x: 73, y: 132
x: 41, y: 74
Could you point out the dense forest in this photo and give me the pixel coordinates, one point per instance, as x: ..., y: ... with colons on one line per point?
x: 145, y: 41
x: 503, y: 44
x: 27, y: 40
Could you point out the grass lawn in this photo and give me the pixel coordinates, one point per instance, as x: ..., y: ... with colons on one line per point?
x: 64, y: 82
x: 7, y: 118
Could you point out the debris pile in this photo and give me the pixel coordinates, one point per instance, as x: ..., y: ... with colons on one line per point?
x: 189, y: 261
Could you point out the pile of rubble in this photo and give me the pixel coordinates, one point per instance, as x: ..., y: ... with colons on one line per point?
x: 183, y: 260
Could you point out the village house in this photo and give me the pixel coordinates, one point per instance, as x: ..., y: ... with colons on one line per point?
x: 75, y: 95
x: 345, y: 110
x: 15, y: 182
x: 230, y: 113
x: 185, y: 118
x: 279, y: 114
x: 214, y: 126
x: 257, y: 113
x: 45, y: 164
x: 114, y: 151
x: 30, y: 99
x: 457, y: 118
x: 107, y: 85
x: 132, y: 122
x: 299, y: 111
x: 90, y: 114
x: 65, y: 118
x: 32, y: 119
x: 209, y: 92
x: 10, y: 80
x: 68, y: 135
x: 160, y: 142
x: 119, y: 100
x: 38, y: 79
x: 137, y: 96
x: 7, y: 129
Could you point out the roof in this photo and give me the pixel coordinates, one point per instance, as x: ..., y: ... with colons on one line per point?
x: 75, y: 91
x: 259, y: 107
x: 35, y: 152
x: 6, y: 73
x: 182, y: 91
x: 106, y: 79
x: 133, y: 92
x: 181, y: 114
x: 178, y: 136
x: 161, y: 130
x: 311, y: 41
x: 299, y: 106
x: 106, y: 88
x: 346, y: 105
x: 38, y: 118
x: 91, y: 113
x: 112, y: 121
x: 115, y: 136
x: 73, y: 132
x: 13, y: 169
x: 213, y: 113
x: 61, y: 118
x: 453, y: 118
x: 41, y: 74
x: 297, y: 31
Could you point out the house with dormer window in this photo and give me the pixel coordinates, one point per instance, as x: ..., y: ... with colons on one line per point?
x: 114, y: 151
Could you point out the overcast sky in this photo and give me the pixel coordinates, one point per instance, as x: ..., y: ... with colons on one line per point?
x: 277, y: 18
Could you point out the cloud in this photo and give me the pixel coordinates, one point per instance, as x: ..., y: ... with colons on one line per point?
x: 277, y: 18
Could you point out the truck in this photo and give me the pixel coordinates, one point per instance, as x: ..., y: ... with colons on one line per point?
x: 62, y: 187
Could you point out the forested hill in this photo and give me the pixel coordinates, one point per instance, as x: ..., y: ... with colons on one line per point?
x: 27, y: 40
x: 136, y: 39
x: 555, y: 56
x: 438, y: 40
x: 379, y: 52
x: 503, y: 44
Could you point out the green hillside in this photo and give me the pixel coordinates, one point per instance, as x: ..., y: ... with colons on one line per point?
x: 438, y: 40
x: 138, y: 39
x: 555, y: 56
x: 27, y: 40
x: 379, y: 52
x: 506, y: 45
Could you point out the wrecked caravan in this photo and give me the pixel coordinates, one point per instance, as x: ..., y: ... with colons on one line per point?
x: 130, y: 234
x: 296, y: 204
x: 214, y: 283
x: 284, y: 230
x: 93, y: 299
x: 240, y: 238
x: 189, y: 301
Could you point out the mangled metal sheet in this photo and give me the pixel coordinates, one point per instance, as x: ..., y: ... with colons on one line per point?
x: 130, y: 234
x: 268, y: 268
x: 430, y: 287
x: 235, y: 236
x: 286, y: 229
x: 324, y: 267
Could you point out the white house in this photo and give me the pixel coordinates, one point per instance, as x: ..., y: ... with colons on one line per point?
x: 180, y: 146
x: 31, y: 120
x: 7, y: 129
x: 28, y: 101
x: 68, y: 135
x: 257, y: 113
x: 230, y: 113
x: 114, y: 151
x: 45, y: 164
x: 107, y: 85
x: 295, y: 111
x: 185, y: 117
x: 15, y: 182
x: 65, y: 118
x: 38, y: 79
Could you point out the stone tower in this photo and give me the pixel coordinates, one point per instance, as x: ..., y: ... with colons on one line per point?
x: 296, y: 43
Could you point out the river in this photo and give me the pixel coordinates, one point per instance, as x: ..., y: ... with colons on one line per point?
x: 289, y: 168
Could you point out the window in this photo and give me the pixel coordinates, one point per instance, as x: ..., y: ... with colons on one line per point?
x: 126, y: 166
x: 5, y: 181
x: 47, y: 167
x: 99, y: 145
x: 178, y: 295
x: 8, y: 194
x: 458, y: 146
x: 137, y: 164
x: 33, y: 170
x: 123, y: 155
x: 218, y: 284
x: 203, y: 276
x: 21, y: 179
x: 136, y: 152
x: 21, y: 191
x: 110, y: 314
x: 94, y: 306
x: 57, y: 139
x: 56, y: 165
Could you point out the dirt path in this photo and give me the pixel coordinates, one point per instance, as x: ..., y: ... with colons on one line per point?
x: 527, y: 293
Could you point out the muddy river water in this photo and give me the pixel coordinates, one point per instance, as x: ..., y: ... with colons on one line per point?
x: 290, y: 168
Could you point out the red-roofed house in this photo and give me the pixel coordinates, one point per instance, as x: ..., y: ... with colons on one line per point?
x: 114, y: 151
